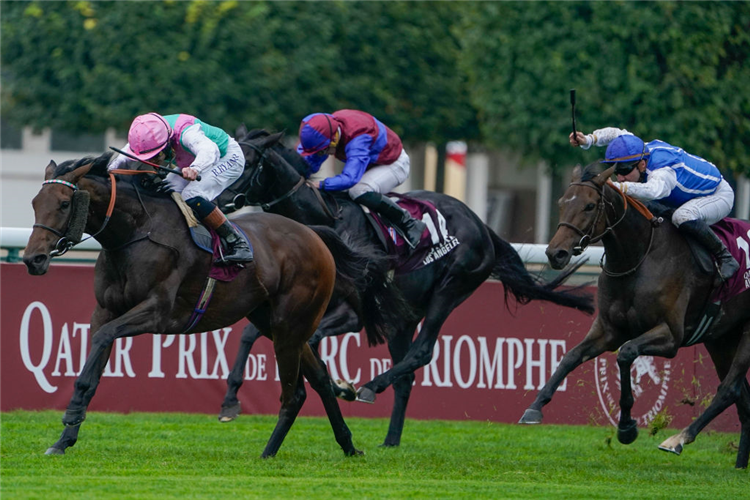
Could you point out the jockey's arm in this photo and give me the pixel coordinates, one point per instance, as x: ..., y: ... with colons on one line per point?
x: 357, y: 160
x: 206, y: 151
x: 314, y: 161
x: 120, y: 161
x: 660, y: 183
x: 603, y: 136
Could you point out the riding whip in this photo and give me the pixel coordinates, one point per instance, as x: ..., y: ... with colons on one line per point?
x: 167, y: 169
x: 573, y: 111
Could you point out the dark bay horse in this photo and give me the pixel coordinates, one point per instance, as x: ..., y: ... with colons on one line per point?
x: 149, y: 277
x: 651, y: 298
x: 275, y: 178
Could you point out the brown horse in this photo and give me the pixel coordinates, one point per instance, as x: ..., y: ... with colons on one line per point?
x: 150, y: 275
x: 650, y: 304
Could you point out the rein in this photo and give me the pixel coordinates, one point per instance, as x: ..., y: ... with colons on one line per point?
x: 64, y: 243
x: 586, y: 237
x: 267, y: 205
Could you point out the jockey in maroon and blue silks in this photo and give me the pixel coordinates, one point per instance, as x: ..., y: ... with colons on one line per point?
x: 375, y: 162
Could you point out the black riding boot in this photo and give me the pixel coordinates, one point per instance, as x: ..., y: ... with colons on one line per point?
x: 238, y: 251
x: 237, y: 248
x: 699, y: 230
x: 410, y: 228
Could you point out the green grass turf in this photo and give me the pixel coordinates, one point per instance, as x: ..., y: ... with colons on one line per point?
x: 167, y: 455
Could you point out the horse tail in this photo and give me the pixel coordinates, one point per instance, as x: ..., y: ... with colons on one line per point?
x: 362, y: 278
x: 511, y: 271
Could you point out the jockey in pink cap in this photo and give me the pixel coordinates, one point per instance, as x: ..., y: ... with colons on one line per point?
x: 195, y: 147
x: 375, y: 162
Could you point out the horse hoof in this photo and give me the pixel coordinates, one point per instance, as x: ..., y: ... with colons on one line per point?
x: 346, y: 390
x: 355, y: 453
x: 676, y: 450
x: 628, y: 433
x: 672, y: 445
x: 366, y: 395
x: 386, y: 444
x: 229, y: 413
x: 54, y: 451
x: 531, y: 417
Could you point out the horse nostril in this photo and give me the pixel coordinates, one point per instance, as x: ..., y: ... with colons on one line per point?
x: 561, y: 255
x: 39, y: 259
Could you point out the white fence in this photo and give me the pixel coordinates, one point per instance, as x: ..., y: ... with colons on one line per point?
x: 14, y: 239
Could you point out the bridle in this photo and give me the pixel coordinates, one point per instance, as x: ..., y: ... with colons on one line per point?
x: 587, y: 236
x: 255, y: 179
x: 65, y: 242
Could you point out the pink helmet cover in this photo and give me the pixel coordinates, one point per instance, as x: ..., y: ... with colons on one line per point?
x: 149, y: 134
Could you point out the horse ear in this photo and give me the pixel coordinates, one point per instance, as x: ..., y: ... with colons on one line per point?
x: 50, y: 170
x: 577, y: 171
x: 75, y: 175
x: 241, y: 131
x: 271, y: 140
x: 600, y: 179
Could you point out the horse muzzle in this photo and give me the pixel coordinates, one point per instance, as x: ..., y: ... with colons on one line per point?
x: 37, y: 264
x: 558, y: 257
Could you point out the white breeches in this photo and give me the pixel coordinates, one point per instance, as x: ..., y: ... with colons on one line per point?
x: 382, y: 178
x: 711, y: 208
x: 215, y: 180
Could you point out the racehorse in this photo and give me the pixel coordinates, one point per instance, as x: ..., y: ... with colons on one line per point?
x: 149, y: 277
x: 275, y: 178
x: 650, y: 304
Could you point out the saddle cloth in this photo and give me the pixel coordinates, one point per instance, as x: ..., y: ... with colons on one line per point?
x: 436, y: 240
x: 207, y: 240
x: 735, y: 234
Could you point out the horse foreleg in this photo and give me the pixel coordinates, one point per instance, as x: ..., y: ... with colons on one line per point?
x: 730, y: 391
x: 230, y: 408
x: 659, y: 341
x: 398, y: 346
x: 140, y: 319
x: 315, y: 371
x: 743, y: 408
x: 590, y: 347
x: 420, y: 351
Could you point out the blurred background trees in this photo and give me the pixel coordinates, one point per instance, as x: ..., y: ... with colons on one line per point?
x: 495, y: 74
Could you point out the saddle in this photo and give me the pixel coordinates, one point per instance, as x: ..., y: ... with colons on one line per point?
x: 436, y: 244
x: 207, y: 240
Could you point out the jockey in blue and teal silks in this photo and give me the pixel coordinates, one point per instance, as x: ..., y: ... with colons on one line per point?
x: 659, y: 171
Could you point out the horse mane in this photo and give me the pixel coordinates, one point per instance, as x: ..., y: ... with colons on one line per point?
x: 290, y: 155
x: 592, y: 170
x: 99, y: 168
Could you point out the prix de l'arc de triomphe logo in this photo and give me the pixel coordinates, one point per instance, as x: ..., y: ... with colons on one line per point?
x: 649, y: 379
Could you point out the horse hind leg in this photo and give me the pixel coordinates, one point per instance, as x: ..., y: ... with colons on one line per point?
x: 293, y: 395
x: 315, y: 371
x: 231, y: 407
x: 732, y: 389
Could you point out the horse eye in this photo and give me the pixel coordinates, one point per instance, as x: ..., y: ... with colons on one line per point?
x: 64, y: 205
x: 589, y: 207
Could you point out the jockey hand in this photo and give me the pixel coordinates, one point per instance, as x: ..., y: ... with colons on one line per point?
x: 189, y: 173
x: 578, y: 140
